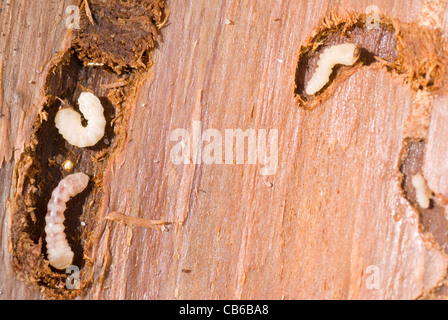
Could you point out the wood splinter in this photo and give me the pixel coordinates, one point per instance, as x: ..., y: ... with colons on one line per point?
x: 88, y: 11
x: 136, y: 221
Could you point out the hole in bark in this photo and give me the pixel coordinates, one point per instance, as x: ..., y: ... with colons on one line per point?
x: 432, y: 219
x: 47, y: 152
x: 373, y: 43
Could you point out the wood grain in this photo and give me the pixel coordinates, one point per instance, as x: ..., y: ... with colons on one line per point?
x: 333, y: 208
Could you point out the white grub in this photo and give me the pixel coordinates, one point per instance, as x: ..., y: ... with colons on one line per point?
x: 59, y: 252
x: 346, y: 54
x: 68, y: 122
x: 422, y: 191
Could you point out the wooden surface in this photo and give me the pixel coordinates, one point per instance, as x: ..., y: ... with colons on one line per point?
x: 333, y: 208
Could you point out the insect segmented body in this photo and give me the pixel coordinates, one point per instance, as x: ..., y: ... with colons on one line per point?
x: 59, y: 252
x: 346, y: 54
x: 68, y: 122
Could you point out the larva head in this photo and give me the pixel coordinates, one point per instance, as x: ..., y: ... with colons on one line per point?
x: 63, y: 260
x: 74, y: 183
x: 90, y: 105
x: 82, y: 178
x: 348, y: 53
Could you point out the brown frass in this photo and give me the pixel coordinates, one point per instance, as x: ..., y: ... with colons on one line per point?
x: 122, y: 33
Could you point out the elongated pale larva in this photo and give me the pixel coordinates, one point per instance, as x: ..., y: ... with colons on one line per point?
x: 68, y: 122
x: 346, y: 54
x: 423, y: 193
x: 59, y: 252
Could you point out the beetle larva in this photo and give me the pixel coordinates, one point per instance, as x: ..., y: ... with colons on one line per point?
x: 346, y: 54
x: 422, y: 192
x: 59, y: 252
x: 68, y: 122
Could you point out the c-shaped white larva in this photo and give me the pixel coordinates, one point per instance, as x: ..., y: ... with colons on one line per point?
x: 59, y: 252
x: 346, y: 54
x: 68, y: 122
